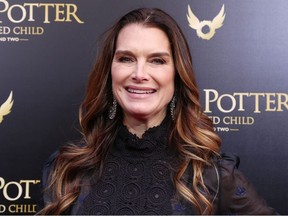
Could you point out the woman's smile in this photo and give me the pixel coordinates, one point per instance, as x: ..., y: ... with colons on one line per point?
x: 143, y: 73
x: 140, y: 91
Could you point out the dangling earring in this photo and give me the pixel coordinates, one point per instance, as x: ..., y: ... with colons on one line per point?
x: 112, y: 110
x: 172, y: 107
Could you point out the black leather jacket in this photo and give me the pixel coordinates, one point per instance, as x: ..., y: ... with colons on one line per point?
x: 236, y: 194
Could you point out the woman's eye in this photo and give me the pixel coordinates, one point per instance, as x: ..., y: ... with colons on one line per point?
x: 158, y: 61
x: 125, y: 59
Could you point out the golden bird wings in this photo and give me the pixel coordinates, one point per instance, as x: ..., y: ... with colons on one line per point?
x: 219, y: 19
x: 5, y: 108
x: 192, y: 19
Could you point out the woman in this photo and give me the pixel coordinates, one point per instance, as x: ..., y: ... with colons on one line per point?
x: 147, y: 148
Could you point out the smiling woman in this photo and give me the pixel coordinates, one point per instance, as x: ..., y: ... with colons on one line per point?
x: 149, y: 148
x: 142, y: 76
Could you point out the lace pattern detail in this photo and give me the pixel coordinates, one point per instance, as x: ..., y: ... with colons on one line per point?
x: 137, y: 176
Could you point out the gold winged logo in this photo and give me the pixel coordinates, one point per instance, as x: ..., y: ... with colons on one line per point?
x: 6, y: 107
x: 216, y: 23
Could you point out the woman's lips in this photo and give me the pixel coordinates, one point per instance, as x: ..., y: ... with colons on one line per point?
x: 140, y: 90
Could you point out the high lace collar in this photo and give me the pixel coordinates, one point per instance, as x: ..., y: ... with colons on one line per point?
x: 154, y: 138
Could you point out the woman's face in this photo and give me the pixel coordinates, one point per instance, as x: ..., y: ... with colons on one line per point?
x: 143, y: 73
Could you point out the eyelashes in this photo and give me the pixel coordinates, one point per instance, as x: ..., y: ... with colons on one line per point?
x: 128, y: 59
x: 125, y: 59
x: 158, y: 61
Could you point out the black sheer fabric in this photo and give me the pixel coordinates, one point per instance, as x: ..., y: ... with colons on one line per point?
x: 137, y: 177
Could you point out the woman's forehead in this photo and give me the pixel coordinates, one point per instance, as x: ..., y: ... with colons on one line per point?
x: 139, y: 36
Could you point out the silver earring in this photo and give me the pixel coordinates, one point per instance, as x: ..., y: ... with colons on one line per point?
x: 172, y: 107
x: 112, y: 110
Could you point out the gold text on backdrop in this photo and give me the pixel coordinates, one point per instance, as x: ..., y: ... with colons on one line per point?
x: 268, y: 102
x: 29, y: 16
x: 14, y: 191
x: 17, y: 13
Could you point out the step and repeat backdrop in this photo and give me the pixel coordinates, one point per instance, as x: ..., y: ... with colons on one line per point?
x: 47, y: 49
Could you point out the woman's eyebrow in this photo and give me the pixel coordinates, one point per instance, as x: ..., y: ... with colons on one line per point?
x: 160, y: 54
x: 154, y: 54
x: 125, y: 52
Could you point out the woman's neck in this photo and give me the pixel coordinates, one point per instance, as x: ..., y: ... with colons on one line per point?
x: 139, y: 126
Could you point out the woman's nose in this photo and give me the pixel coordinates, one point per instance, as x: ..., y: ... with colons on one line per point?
x: 140, y: 72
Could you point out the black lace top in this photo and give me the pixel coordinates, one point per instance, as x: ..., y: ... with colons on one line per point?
x: 137, y: 179
x: 137, y: 176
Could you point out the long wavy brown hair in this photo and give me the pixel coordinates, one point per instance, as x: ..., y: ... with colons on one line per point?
x: 191, y: 132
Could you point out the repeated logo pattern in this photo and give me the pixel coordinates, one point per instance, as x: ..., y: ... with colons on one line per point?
x: 216, y: 23
x: 6, y: 107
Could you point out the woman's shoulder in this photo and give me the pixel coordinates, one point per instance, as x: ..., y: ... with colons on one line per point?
x: 222, y: 167
x: 237, y: 195
x: 228, y: 160
x: 48, y: 166
x: 50, y: 162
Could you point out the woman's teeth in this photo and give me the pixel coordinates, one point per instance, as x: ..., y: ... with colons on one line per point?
x: 138, y: 91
